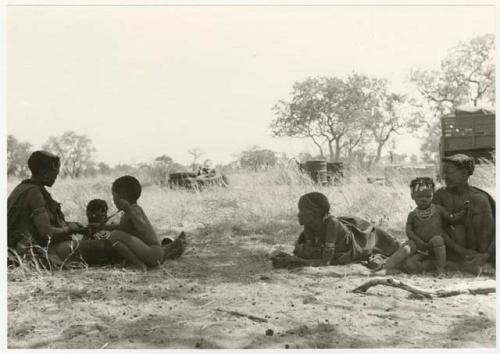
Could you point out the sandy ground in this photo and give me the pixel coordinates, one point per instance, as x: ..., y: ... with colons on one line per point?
x: 185, y: 304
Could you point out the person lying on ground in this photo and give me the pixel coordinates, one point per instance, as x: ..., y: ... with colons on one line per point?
x: 424, y: 228
x: 135, y: 239
x: 328, y: 240
x: 36, y: 225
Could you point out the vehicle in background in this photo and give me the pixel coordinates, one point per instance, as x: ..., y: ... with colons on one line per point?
x: 196, y: 180
x: 468, y: 131
x: 323, y: 172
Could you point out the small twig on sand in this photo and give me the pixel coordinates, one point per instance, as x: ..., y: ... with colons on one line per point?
x: 104, y: 346
x: 240, y: 314
x: 422, y: 293
x: 171, y: 276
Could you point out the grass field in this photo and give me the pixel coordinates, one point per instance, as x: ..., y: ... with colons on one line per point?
x: 187, y: 303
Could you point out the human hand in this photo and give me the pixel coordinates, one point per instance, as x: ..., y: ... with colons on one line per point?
x: 74, y: 227
x: 469, y: 254
x: 466, y: 204
x: 421, y: 245
x: 477, y: 259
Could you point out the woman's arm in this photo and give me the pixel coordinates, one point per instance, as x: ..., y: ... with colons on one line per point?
x: 41, y: 219
x: 481, y: 222
x: 449, y: 243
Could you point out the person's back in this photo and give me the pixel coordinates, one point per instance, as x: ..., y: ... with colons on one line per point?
x: 135, y: 222
x: 26, y: 201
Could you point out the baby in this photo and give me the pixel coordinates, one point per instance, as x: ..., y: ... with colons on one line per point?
x: 424, y: 228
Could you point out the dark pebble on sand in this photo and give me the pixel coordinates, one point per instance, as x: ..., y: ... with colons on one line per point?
x: 287, y: 346
x: 198, y: 345
x: 269, y: 332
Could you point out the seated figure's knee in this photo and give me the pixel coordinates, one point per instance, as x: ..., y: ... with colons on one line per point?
x: 410, y: 248
x: 413, y: 265
x: 115, y: 237
x: 299, y: 249
x: 436, y: 241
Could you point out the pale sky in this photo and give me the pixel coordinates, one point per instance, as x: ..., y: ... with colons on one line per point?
x: 147, y: 81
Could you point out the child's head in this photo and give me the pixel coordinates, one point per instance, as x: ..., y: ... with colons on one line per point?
x: 422, y: 191
x: 97, y: 211
x: 312, y: 208
x: 126, y: 187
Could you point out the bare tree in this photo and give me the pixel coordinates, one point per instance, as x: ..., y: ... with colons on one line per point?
x: 196, y: 153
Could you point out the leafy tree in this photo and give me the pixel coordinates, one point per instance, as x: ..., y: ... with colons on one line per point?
x: 256, y: 158
x: 17, y: 157
x: 386, y: 117
x: 299, y: 118
x: 103, y: 168
x: 304, y: 156
x: 164, y: 159
x: 74, y: 150
x: 345, y: 115
x: 328, y: 110
x: 466, y: 77
x: 124, y: 169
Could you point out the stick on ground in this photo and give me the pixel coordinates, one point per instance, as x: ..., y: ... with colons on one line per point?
x: 240, y: 314
x: 422, y: 293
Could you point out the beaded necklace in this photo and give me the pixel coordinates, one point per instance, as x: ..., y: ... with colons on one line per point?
x: 424, y: 214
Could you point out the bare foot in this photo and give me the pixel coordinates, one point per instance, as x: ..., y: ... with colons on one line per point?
x: 176, y: 248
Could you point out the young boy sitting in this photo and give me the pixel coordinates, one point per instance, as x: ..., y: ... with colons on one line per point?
x: 424, y: 228
x: 135, y: 238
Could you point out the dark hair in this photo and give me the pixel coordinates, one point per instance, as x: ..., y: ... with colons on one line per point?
x: 421, y: 181
x: 97, y: 205
x: 43, y: 160
x: 461, y: 161
x: 316, y: 202
x: 129, y: 187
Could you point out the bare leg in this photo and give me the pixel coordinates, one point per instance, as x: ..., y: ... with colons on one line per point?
x: 386, y: 243
x: 400, y: 255
x: 135, y: 250
x: 414, y: 264
x: 131, y: 258
x: 439, y: 249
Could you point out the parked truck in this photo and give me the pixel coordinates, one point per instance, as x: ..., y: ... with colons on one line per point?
x: 468, y: 131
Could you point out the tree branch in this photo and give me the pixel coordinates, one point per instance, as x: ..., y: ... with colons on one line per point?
x: 423, y: 293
